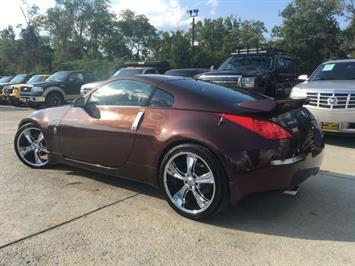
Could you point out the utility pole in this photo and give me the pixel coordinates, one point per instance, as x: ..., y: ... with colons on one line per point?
x: 193, y: 13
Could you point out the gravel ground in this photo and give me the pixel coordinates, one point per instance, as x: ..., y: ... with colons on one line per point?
x: 68, y: 216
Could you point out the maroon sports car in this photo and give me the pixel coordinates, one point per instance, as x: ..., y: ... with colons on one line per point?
x: 203, y: 144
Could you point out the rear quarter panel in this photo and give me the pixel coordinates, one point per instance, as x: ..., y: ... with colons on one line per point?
x: 163, y: 129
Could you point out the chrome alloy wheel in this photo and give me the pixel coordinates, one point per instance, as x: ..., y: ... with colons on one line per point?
x: 189, y: 182
x: 31, y: 147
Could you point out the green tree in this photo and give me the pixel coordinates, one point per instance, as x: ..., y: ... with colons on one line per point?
x: 139, y: 35
x: 310, y: 31
x: 8, y: 51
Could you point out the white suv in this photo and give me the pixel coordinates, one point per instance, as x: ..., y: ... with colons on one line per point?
x: 331, y: 93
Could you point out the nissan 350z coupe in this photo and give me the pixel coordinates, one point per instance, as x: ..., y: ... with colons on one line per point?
x: 202, y: 144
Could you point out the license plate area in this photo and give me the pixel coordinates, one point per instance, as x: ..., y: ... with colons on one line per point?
x: 330, y: 126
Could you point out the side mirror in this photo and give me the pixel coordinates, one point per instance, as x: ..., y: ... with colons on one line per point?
x: 303, y: 77
x: 79, y: 102
x: 92, y: 110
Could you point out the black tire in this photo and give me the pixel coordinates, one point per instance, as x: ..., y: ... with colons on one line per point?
x: 220, y: 199
x: 54, y: 99
x: 19, y: 139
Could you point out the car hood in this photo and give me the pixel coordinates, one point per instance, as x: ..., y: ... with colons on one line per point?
x: 330, y: 85
x: 18, y: 86
x: 46, y: 84
x: 239, y: 72
x: 5, y: 84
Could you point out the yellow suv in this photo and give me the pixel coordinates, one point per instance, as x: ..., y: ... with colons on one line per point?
x: 13, y: 92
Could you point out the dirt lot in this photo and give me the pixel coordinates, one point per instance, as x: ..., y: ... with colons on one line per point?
x: 69, y: 216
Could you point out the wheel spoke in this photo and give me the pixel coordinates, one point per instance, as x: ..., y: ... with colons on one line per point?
x: 40, y: 137
x: 190, y: 163
x: 200, y: 199
x: 174, y: 171
x: 28, y: 136
x: 37, y: 157
x: 25, y: 150
x: 205, y: 178
x: 179, y: 196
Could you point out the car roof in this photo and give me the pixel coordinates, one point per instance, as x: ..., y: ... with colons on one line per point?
x: 137, y: 68
x: 349, y: 60
x: 153, y: 79
x: 187, y: 69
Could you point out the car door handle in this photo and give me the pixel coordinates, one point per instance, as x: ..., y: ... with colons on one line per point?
x: 137, y: 121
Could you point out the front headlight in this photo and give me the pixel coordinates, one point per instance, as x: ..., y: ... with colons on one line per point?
x: 298, y: 93
x: 37, y: 89
x: 248, y: 82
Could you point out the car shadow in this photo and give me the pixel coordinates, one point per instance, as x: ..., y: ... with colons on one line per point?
x: 113, y: 181
x: 340, y: 140
x: 322, y: 210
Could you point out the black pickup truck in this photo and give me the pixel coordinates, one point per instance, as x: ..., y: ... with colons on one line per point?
x: 266, y: 70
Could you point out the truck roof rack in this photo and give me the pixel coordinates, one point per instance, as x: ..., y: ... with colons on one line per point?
x: 161, y: 66
x: 262, y: 49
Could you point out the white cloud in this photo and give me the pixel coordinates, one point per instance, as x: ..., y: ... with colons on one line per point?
x: 163, y: 14
x: 11, y: 13
x: 213, y: 4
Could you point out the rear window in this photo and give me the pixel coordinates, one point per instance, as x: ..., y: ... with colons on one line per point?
x: 218, y: 92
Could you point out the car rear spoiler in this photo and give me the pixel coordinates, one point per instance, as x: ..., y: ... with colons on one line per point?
x: 273, y: 106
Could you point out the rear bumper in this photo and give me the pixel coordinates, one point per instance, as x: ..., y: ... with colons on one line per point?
x: 345, y: 117
x: 279, y: 175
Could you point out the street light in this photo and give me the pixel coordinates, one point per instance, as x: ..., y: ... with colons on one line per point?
x: 193, y: 13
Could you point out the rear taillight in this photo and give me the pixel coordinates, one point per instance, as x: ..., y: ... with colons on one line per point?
x: 263, y: 128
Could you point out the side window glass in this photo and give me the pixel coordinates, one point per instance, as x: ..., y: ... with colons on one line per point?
x: 162, y: 99
x: 122, y: 93
x: 281, y: 65
x: 76, y: 77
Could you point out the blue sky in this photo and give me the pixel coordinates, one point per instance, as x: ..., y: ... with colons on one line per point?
x: 171, y: 14
x: 264, y: 10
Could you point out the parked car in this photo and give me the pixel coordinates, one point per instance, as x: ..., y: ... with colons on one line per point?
x: 186, y: 72
x: 17, y: 79
x: 58, y: 88
x: 331, y: 93
x: 12, y: 92
x: 203, y: 144
x: 265, y: 70
x: 130, y: 69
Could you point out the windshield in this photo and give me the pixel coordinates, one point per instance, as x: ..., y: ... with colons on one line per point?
x: 19, y: 78
x: 58, y: 76
x: 34, y: 79
x: 5, y: 79
x: 247, y: 61
x: 127, y: 72
x: 335, y: 71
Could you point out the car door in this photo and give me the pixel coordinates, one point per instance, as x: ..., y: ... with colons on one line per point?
x: 74, y: 83
x: 107, y: 140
